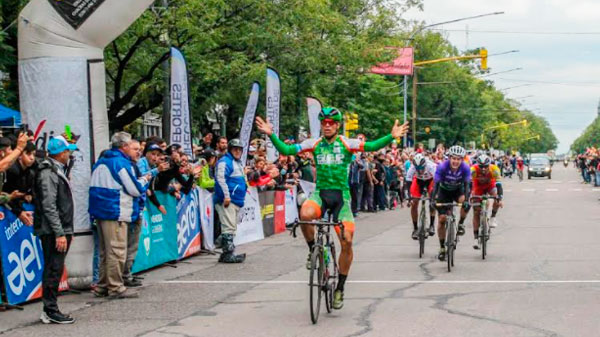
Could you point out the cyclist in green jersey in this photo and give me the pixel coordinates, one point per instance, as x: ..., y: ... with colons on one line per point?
x: 333, y: 155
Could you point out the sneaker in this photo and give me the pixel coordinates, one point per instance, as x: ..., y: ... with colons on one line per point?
x: 415, y: 234
x: 99, y: 292
x: 56, y: 317
x: 124, y: 294
x: 338, y: 299
x: 442, y: 254
x: 493, y: 222
x: 476, y: 244
x: 431, y: 230
x: 461, y: 229
x: 132, y: 283
x: 308, y: 260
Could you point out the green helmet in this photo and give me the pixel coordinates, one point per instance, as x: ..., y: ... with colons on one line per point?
x: 330, y: 113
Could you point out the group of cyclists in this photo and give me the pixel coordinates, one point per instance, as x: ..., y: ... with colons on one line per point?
x: 453, y: 179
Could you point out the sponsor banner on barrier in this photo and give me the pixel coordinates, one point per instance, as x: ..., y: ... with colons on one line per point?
x: 250, y: 225
x: 158, y: 237
x: 206, y: 209
x: 291, y: 202
x: 188, y: 224
x: 279, y: 213
x: 22, y: 259
x: 267, y: 212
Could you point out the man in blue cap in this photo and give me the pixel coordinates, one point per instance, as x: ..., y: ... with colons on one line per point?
x: 53, y: 223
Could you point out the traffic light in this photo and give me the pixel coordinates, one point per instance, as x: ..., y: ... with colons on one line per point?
x: 352, y: 122
x: 427, y: 129
x: 483, y: 53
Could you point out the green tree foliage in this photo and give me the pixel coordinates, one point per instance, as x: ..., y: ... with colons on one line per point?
x: 590, y: 137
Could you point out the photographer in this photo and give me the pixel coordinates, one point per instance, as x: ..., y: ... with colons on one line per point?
x: 163, y: 179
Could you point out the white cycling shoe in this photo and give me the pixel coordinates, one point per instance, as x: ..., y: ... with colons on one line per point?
x: 476, y: 244
x: 493, y: 222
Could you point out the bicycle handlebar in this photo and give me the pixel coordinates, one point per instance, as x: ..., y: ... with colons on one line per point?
x: 444, y: 204
x: 319, y: 224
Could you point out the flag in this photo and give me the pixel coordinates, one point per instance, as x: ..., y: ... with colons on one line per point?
x: 273, y: 105
x: 248, y: 120
x: 181, y: 123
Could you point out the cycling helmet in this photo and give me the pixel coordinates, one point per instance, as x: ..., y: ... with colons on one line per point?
x: 419, y: 161
x: 484, y: 161
x: 235, y: 143
x: 330, y: 113
x: 457, y: 151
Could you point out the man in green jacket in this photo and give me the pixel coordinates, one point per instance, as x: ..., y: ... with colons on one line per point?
x: 333, y: 155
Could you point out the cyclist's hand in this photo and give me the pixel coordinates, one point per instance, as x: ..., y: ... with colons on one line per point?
x: 264, y: 126
x: 399, y: 130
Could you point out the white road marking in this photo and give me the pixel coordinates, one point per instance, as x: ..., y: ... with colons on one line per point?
x: 573, y: 181
x: 552, y: 189
x: 557, y: 182
x: 388, y: 282
x: 528, y: 190
x: 595, y: 189
x: 509, y: 190
x: 576, y: 189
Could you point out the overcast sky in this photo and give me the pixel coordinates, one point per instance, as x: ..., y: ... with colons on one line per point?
x: 565, y: 51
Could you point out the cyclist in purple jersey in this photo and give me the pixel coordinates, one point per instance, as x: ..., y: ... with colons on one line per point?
x: 451, y: 184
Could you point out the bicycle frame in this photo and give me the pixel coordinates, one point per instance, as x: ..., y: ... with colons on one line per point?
x: 451, y: 237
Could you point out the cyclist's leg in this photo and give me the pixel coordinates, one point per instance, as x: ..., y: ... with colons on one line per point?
x: 431, y: 210
x: 496, y: 206
x: 347, y: 253
x: 311, y: 210
x: 415, y: 194
x: 443, y: 196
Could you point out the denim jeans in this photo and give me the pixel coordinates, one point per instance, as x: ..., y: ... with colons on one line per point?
x: 96, y: 256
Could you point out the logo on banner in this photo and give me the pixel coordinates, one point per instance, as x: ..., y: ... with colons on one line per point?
x: 187, y: 224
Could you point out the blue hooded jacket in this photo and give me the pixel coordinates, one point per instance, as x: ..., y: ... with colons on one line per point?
x: 115, y: 190
x: 230, y: 181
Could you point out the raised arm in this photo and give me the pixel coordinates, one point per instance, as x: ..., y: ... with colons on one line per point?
x: 266, y: 128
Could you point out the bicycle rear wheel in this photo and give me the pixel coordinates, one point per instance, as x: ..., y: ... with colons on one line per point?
x: 314, y: 282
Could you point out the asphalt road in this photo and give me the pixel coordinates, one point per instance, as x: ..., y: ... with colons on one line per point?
x: 541, y: 278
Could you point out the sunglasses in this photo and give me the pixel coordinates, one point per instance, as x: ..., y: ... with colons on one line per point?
x: 328, y: 122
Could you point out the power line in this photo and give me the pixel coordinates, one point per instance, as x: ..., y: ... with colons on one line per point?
x: 576, y: 84
x: 518, y: 32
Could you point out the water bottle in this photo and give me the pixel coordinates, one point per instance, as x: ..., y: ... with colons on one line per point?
x: 326, y: 255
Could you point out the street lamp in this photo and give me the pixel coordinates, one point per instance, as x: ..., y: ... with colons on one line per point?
x: 410, y: 39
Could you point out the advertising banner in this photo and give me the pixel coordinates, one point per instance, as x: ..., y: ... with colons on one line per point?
x: 22, y: 259
x: 250, y: 227
x: 206, y: 209
x: 314, y: 107
x: 158, y: 237
x: 188, y: 224
x: 181, y: 123
x: 267, y: 211
x: 291, y: 208
x: 273, y: 106
x: 248, y: 120
x: 279, y: 214
x: 75, y: 12
x: 402, y: 65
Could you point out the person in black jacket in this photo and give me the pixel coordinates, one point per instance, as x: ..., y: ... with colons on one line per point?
x: 53, y: 223
x: 20, y: 177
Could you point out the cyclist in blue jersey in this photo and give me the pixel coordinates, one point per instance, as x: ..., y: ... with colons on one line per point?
x: 451, y: 184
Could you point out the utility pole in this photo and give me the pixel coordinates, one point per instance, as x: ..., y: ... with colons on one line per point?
x: 414, y: 108
x: 404, y: 143
x: 166, y: 116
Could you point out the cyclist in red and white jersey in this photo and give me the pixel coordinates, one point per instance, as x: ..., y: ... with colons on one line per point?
x: 420, y: 178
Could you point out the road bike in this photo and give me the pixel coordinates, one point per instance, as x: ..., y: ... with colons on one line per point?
x: 422, y: 233
x: 451, y: 237
x: 484, y: 225
x: 324, y: 270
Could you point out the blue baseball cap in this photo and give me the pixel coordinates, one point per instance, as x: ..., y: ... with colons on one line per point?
x: 59, y: 144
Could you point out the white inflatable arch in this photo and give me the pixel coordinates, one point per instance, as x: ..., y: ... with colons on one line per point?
x: 62, y: 81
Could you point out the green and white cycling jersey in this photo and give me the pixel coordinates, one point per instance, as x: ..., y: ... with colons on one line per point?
x: 332, y: 159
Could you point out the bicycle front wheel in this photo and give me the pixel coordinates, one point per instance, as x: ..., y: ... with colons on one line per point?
x: 484, y: 235
x: 450, y: 244
x: 314, y: 282
x: 422, y: 232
